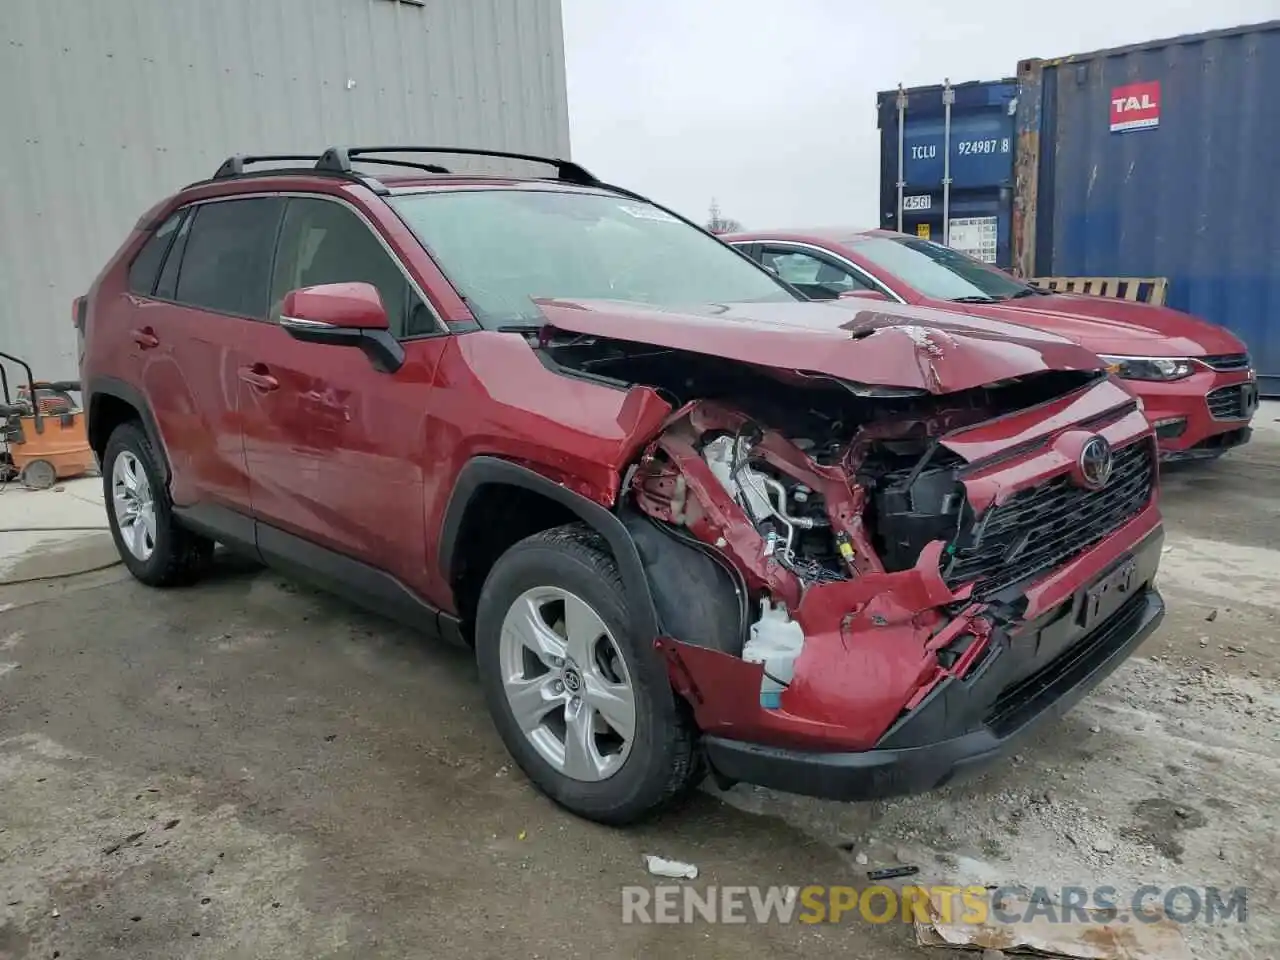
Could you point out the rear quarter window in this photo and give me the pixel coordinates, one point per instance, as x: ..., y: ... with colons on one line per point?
x: 146, y: 265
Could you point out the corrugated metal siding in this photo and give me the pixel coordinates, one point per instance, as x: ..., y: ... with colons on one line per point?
x: 110, y: 106
x: 979, y: 115
x: 1196, y: 199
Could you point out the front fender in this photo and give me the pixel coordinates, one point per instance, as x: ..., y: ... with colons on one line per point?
x: 483, y: 470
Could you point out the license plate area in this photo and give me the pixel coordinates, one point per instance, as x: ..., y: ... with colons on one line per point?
x: 1106, y: 595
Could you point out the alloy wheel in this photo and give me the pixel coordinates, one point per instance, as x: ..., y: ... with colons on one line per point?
x: 134, y: 505
x: 567, y: 684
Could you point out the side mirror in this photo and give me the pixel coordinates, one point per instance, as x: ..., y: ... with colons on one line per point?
x: 863, y: 295
x: 343, y: 315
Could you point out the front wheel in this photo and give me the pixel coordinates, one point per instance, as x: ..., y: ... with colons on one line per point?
x: 152, y: 544
x: 582, y: 703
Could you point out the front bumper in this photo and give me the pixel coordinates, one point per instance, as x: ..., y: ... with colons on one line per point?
x: 1028, y: 678
x: 1201, y: 416
x: 1210, y: 448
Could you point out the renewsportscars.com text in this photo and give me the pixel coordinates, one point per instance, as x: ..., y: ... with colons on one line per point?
x: 968, y: 905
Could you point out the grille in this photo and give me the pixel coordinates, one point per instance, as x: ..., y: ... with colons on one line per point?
x: 1038, y: 529
x: 1228, y: 403
x: 1227, y: 361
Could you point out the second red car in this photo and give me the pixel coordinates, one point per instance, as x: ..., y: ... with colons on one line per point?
x: 1195, y: 378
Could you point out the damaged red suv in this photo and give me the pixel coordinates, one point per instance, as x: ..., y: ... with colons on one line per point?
x: 691, y: 522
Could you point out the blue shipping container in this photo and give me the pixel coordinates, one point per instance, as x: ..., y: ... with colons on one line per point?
x: 1161, y: 159
x: 981, y: 146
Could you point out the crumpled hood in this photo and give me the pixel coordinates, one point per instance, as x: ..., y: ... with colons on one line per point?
x: 887, y: 345
x: 1111, y: 326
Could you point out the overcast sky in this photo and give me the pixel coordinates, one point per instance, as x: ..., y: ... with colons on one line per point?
x: 769, y: 106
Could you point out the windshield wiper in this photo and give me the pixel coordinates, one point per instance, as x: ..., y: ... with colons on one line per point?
x: 1028, y: 292
x: 976, y: 299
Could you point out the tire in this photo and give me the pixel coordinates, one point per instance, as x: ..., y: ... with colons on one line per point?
x: 661, y: 762
x: 171, y: 555
x: 39, y: 475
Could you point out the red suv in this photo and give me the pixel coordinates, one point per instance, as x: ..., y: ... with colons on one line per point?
x: 1194, y: 377
x: 690, y: 521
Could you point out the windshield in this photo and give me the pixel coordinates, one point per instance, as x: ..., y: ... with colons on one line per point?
x: 501, y: 249
x: 937, y: 271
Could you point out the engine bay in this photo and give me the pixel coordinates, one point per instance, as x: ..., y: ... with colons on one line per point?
x: 802, y: 483
x: 835, y: 479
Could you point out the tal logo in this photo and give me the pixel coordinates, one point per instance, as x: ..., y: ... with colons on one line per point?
x: 1135, y: 106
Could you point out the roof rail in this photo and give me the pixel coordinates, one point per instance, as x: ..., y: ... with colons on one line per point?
x: 428, y: 167
x: 339, y: 159
x: 234, y: 166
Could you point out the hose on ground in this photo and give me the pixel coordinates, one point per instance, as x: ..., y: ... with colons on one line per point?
x: 59, y: 576
x: 53, y: 529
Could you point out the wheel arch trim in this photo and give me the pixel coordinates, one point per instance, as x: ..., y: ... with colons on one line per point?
x: 120, y: 390
x: 483, y: 471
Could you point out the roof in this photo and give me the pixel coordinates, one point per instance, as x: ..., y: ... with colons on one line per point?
x: 809, y: 234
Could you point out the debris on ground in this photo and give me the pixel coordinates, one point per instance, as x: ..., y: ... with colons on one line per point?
x: 116, y: 847
x: 674, y: 869
x: 1105, y: 935
x: 892, y: 873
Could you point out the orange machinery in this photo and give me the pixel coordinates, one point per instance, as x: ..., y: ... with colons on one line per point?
x: 42, y: 430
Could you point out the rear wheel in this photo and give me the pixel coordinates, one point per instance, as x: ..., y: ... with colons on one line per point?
x: 153, y: 545
x: 582, y: 703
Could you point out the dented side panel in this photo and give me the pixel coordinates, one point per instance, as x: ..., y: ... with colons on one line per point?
x: 493, y: 396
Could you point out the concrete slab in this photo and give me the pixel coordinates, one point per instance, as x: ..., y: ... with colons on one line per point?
x: 1267, y: 420
x: 55, y: 532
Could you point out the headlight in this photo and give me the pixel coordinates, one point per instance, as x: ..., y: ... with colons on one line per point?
x: 1149, y: 368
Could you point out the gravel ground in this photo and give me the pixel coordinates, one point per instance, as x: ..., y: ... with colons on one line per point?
x: 247, y: 769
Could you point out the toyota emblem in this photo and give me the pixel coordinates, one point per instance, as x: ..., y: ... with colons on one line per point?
x: 1095, y: 463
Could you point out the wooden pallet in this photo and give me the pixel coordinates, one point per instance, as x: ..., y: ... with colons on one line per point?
x: 1143, y: 289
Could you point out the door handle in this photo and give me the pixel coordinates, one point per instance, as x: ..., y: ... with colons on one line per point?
x: 256, y: 376
x: 145, y: 338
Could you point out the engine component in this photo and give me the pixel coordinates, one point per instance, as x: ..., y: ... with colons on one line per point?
x: 727, y: 458
x: 776, y: 641
x: 847, y: 553
x: 762, y: 497
x: 913, y: 510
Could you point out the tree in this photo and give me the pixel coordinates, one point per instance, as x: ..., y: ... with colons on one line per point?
x: 721, y: 224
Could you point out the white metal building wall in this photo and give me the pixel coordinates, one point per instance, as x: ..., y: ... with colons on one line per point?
x: 109, y: 106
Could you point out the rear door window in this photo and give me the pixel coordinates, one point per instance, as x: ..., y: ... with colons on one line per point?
x: 167, y: 287
x: 226, y: 265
